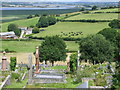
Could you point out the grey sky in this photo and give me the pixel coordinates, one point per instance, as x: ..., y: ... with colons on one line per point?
x: 60, y: 0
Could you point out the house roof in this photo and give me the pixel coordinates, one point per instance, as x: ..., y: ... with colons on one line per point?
x: 7, y: 33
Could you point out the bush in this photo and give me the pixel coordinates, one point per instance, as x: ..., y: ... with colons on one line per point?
x: 12, y: 63
x: 84, y: 20
x: 15, y: 75
x: 100, y: 80
x: 30, y: 16
x: 73, y: 62
x: 115, y: 24
x: 87, y: 72
x: 35, y: 30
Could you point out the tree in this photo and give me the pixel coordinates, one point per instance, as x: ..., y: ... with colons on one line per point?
x: 52, y: 49
x: 109, y: 33
x: 30, y: 16
x: 73, y: 62
x: 94, y: 7
x: 12, y: 63
x: 115, y: 24
x: 82, y: 9
x: 96, y: 49
x: 114, y: 37
x: 43, y: 22
x: 52, y: 20
x: 14, y: 27
x: 36, y: 15
x: 35, y: 30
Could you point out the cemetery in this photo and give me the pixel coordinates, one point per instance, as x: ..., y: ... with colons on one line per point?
x: 43, y: 75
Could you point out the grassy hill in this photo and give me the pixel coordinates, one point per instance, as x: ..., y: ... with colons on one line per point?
x: 29, y: 46
x: 98, y: 16
x: 107, y: 10
x: 67, y: 27
x: 22, y: 23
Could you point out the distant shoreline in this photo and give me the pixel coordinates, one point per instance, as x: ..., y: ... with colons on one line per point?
x: 35, y: 8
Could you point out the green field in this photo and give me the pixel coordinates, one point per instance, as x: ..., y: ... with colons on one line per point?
x: 21, y: 23
x: 98, y: 16
x: 107, y: 10
x: 66, y: 27
x: 29, y: 46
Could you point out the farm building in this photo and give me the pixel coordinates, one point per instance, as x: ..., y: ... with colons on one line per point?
x: 8, y: 35
x: 25, y: 31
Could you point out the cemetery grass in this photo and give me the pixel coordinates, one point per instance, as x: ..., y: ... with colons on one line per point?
x: 57, y: 68
x: 29, y: 46
x: 69, y: 84
x: 18, y: 84
x: 66, y: 27
x: 98, y: 16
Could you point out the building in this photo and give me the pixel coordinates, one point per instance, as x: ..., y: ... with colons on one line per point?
x: 8, y: 35
x: 25, y: 31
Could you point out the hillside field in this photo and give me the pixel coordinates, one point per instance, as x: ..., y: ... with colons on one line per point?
x: 97, y: 16
x: 20, y: 23
x: 107, y: 10
x: 66, y: 27
x: 29, y: 46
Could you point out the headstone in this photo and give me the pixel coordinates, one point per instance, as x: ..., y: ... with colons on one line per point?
x: 37, y: 60
x: 4, y: 59
x: 30, y: 72
x: 78, y: 59
x: 68, y: 66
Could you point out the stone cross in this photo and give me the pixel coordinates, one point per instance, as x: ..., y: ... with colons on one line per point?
x: 4, y: 59
x: 30, y: 69
x: 37, y: 60
x: 78, y: 62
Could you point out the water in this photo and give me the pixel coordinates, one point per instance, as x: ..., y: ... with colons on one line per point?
x: 25, y: 8
x: 22, y: 13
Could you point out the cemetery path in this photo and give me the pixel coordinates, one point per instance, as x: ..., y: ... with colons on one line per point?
x: 83, y: 85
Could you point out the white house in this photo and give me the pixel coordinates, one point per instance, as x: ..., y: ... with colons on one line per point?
x: 25, y: 31
x: 8, y: 35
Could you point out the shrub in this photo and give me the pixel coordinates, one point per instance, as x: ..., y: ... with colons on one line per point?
x: 100, y: 80
x: 15, y: 75
x: 115, y: 24
x: 87, y: 72
x: 30, y: 16
x: 73, y: 62
x: 12, y: 63
x: 35, y: 30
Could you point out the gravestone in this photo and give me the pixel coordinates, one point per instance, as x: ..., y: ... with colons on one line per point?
x: 78, y: 59
x: 37, y: 60
x: 68, y: 67
x: 30, y: 72
x: 4, y: 59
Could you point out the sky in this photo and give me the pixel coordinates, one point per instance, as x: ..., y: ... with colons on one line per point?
x: 60, y: 0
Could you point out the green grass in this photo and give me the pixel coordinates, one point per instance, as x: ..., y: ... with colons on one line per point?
x: 66, y: 27
x: 107, y: 10
x: 57, y: 67
x: 69, y: 84
x: 17, y: 84
x: 98, y: 16
x: 20, y: 46
x: 20, y: 23
x: 29, y: 46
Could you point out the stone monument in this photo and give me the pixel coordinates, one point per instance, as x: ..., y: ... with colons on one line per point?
x: 68, y: 66
x: 30, y: 69
x: 4, y: 59
x: 37, y: 60
x: 78, y: 59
